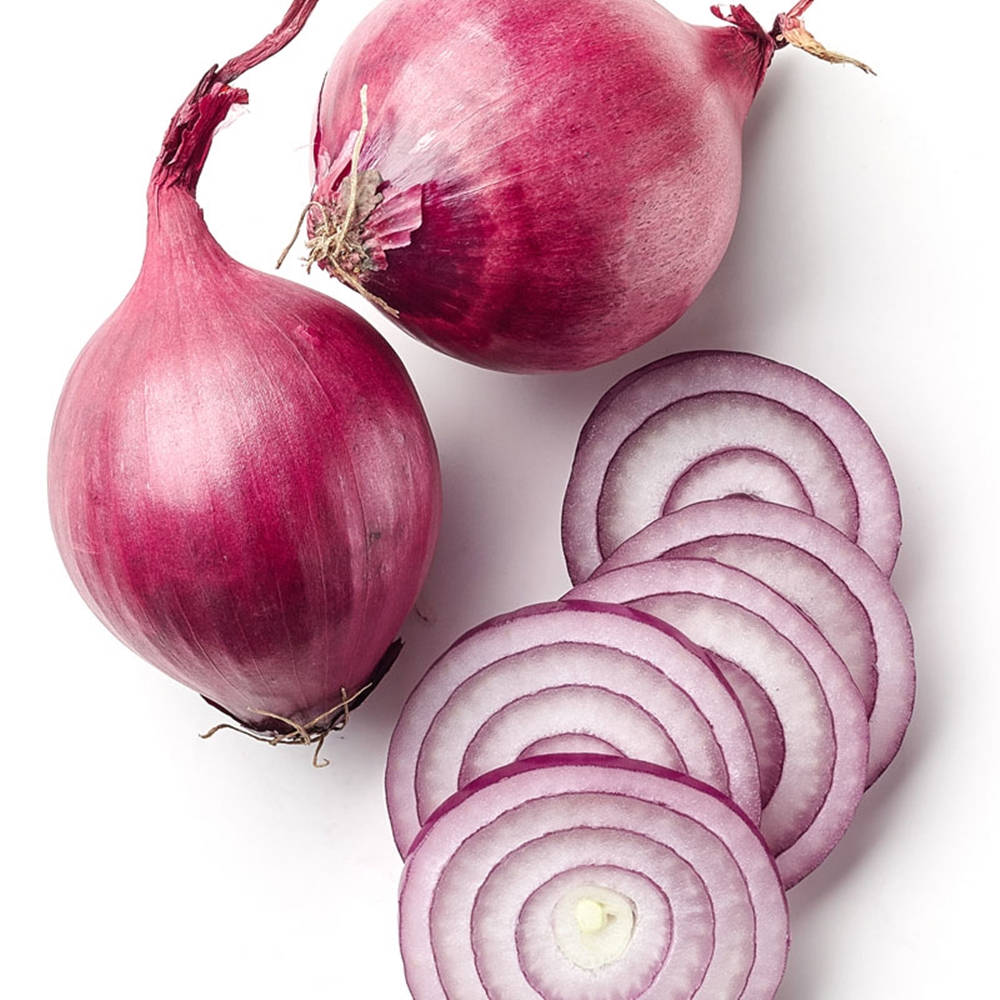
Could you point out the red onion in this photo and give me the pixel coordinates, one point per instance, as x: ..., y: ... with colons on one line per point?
x: 577, y: 876
x: 821, y: 572
x: 535, y: 184
x: 760, y: 637
x: 243, y: 485
x: 710, y: 424
x: 566, y: 677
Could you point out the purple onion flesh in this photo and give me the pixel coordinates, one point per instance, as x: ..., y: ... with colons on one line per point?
x: 711, y: 424
x: 761, y: 637
x: 572, y: 876
x: 566, y: 677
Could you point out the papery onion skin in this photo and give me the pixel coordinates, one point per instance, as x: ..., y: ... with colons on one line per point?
x: 560, y: 178
x: 242, y: 481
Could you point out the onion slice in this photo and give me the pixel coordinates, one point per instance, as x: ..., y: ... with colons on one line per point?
x: 571, y: 876
x: 757, y: 633
x: 820, y: 571
x: 709, y: 424
x: 566, y: 677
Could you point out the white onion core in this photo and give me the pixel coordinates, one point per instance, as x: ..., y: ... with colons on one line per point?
x: 593, y: 925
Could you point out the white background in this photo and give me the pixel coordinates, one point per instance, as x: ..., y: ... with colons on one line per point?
x: 141, y: 861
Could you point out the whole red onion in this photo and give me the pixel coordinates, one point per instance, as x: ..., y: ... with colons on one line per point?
x: 535, y: 184
x: 242, y: 481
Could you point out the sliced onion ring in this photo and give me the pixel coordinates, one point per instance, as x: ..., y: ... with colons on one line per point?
x: 571, y: 876
x: 820, y: 571
x: 565, y: 677
x: 821, y: 714
x: 709, y: 424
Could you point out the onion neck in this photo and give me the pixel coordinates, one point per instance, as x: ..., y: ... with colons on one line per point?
x: 175, y: 222
x: 175, y: 225
x: 174, y: 213
x: 744, y: 51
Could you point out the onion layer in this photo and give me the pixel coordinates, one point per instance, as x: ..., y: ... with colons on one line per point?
x: 585, y: 876
x: 242, y: 481
x: 710, y: 424
x: 563, y: 678
x: 805, y: 686
x: 821, y: 572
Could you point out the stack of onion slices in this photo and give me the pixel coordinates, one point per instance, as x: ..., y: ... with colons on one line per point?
x: 834, y: 582
x: 733, y: 667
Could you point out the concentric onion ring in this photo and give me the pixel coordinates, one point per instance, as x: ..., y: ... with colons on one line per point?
x: 710, y: 424
x: 580, y: 876
x: 566, y: 677
x: 821, y: 572
x: 755, y: 631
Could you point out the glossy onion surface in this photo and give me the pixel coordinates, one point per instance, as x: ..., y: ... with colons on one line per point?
x: 543, y: 184
x: 242, y: 481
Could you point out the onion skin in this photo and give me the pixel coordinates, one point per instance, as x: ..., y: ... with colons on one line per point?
x: 560, y: 177
x: 242, y: 482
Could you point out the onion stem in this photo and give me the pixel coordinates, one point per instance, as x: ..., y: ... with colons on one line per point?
x: 789, y: 30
